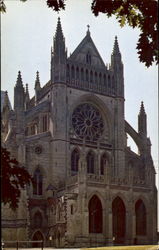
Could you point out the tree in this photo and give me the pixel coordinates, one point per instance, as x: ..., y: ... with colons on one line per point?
x: 13, y: 178
x: 140, y: 14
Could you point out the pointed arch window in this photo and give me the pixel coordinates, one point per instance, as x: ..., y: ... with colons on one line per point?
x: 38, y: 220
x: 82, y: 75
x: 100, y: 78
x: 109, y: 81
x: 72, y: 72
x: 105, y: 79
x: 77, y: 73
x: 88, y: 58
x: 103, y: 164
x: 38, y: 182
x: 96, y: 77
x: 140, y: 211
x: 45, y: 123
x: 87, y: 77
x: 119, y: 220
x: 95, y: 215
x: 74, y: 161
x: 90, y: 163
x: 68, y: 71
x: 91, y: 76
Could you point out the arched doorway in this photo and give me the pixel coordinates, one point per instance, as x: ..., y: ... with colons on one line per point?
x: 95, y: 215
x: 140, y: 211
x: 37, y: 237
x: 119, y: 220
x: 58, y: 239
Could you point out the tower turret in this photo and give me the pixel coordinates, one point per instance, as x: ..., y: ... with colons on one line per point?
x: 142, y: 121
x: 19, y: 95
x: 58, y: 56
x: 117, y: 68
x: 37, y: 87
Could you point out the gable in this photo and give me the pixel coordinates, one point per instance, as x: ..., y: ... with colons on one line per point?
x: 85, y: 49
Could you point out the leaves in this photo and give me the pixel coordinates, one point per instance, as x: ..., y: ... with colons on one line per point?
x: 2, y: 7
x: 137, y: 14
x: 14, y: 178
x: 56, y: 4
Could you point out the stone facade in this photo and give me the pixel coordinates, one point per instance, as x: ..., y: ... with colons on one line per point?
x: 90, y: 189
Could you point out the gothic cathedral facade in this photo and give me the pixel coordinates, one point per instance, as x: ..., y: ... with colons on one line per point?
x: 89, y: 188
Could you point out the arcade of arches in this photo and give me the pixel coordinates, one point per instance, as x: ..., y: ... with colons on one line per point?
x: 118, y: 218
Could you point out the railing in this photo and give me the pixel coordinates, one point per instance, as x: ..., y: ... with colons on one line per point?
x: 98, y: 88
x: 21, y: 244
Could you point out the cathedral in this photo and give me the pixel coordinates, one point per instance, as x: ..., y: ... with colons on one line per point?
x: 90, y: 188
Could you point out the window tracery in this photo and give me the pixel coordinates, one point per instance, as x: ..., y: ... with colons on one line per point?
x: 87, y: 122
x: 74, y: 161
x: 90, y: 163
x: 38, y: 182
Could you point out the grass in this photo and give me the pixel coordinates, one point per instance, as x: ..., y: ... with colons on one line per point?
x: 152, y: 247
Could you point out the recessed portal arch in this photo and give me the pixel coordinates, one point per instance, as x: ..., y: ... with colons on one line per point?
x: 119, y: 220
x: 95, y: 215
x: 37, y: 237
x: 140, y: 212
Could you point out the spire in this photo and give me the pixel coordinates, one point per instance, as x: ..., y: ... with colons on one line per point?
x: 37, y: 81
x: 19, y: 80
x: 58, y: 56
x: 116, y: 50
x: 142, y: 109
x: 59, y: 33
x: 19, y: 94
x: 142, y: 121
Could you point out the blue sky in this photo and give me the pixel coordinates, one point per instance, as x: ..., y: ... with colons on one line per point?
x: 27, y: 31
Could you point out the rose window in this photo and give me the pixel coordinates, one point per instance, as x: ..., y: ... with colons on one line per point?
x: 87, y: 122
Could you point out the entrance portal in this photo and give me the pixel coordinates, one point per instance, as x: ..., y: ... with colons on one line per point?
x: 37, y: 237
x: 95, y: 215
x: 119, y: 220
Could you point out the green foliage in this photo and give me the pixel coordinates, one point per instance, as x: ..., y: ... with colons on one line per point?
x: 13, y: 178
x: 137, y: 14
x: 2, y: 7
x: 56, y: 4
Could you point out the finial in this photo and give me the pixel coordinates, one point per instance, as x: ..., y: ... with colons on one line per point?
x: 19, y: 79
x: 116, y: 46
x: 88, y: 31
x: 59, y: 33
x: 37, y: 81
x: 142, y: 108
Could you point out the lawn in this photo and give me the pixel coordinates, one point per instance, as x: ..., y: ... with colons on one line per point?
x: 152, y: 247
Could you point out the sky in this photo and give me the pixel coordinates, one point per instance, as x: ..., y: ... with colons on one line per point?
x: 27, y: 31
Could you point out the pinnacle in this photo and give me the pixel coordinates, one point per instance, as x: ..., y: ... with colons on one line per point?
x: 116, y: 46
x: 26, y: 89
x: 37, y: 81
x: 59, y: 32
x: 142, y: 108
x: 19, y: 79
